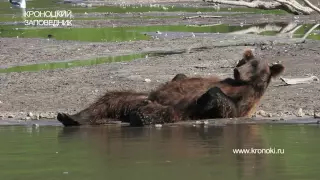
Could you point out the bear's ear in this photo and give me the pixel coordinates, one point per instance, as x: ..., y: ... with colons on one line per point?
x: 248, y: 54
x: 276, y: 69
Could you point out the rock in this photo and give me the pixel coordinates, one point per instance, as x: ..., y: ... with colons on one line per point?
x: 26, y: 118
x: 43, y: 115
x: 10, y: 116
x: 51, y: 115
x: 198, y: 122
x: 35, y: 117
x: 205, y: 122
x: 30, y: 114
x: 147, y: 80
x: 316, y: 114
x: 158, y: 125
x: 36, y: 125
x: 264, y: 114
x: 300, y: 113
x: 280, y: 114
x: 1, y: 102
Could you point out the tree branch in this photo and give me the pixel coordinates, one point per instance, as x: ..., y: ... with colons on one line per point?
x: 315, y: 8
x: 253, y: 4
x: 291, y: 6
x: 310, y: 30
x: 298, y: 7
x: 257, y: 29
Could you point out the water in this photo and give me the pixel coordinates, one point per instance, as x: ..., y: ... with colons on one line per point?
x: 32, y: 152
x: 176, y: 152
x: 48, y: 4
x: 117, y: 34
x: 70, y: 64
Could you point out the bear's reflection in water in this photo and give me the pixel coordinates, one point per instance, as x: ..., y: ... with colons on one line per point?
x: 178, y: 142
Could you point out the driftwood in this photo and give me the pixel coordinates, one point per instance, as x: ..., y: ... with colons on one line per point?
x: 202, y: 25
x: 291, y: 6
x: 257, y: 29
x: 306, y: 80
x: 287, y: 31
x: 315, y: 8
x: 201, y: 16
x: 310, y: 30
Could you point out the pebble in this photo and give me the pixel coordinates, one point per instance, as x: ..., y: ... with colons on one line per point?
x: 158, y: 125
x: 10, y: 116
x: 147, y: 80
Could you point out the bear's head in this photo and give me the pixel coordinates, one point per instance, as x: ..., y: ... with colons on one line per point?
x: 256, y: 71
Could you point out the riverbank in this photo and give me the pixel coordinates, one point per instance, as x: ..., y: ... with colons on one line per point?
x: 47, y: 92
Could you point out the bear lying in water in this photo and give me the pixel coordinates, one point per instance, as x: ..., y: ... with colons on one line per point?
x: 184, y: 98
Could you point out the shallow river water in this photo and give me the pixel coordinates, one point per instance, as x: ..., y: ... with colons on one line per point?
x: 183, y: 152
x: 174, y: 152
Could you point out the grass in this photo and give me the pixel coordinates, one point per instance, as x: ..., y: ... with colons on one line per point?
x: 70, y: 64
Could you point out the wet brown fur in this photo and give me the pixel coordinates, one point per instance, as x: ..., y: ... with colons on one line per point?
x: 177, y: 99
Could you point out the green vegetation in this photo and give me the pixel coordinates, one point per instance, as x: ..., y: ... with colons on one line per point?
x: 69, y: 64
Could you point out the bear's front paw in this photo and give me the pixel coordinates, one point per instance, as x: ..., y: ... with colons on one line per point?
x: 139, y: 119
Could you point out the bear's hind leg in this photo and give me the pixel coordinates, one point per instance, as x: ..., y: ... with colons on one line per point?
x: 215, y: 104
x: 67, y: 120
x: 112, y: 106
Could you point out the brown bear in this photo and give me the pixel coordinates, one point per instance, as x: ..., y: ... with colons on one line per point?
x: 185, y: 98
